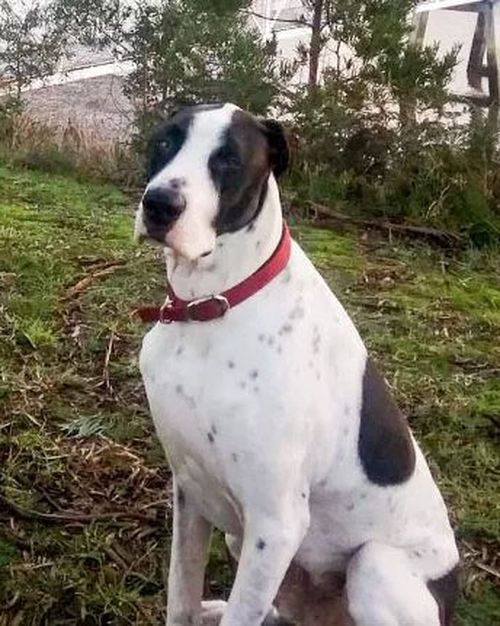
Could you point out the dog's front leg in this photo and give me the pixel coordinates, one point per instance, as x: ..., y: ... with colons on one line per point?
x: 190, y: 540
x: 269, y: 546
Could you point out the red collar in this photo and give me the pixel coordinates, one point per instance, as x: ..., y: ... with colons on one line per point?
x: 214, y: 306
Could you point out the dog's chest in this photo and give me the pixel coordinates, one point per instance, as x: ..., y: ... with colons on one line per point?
x: 271, y: 376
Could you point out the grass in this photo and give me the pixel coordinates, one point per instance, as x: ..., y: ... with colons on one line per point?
x: 75, y: 436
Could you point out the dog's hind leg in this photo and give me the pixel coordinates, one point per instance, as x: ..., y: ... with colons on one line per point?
x: 190, y: 540
x: 384, y: 590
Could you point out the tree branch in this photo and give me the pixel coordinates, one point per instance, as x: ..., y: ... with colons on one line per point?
x: 299, y: 22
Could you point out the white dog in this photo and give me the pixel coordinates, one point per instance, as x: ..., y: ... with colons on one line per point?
x: 278, y: 428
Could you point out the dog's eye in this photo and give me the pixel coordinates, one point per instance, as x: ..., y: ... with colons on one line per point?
x: 228, y: 159
x: 166, y: 144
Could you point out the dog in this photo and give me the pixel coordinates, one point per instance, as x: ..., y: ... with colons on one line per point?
x: 278, y: 428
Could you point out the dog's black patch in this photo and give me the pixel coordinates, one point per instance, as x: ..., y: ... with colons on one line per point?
x: 210, y: 437
x: 261, y: 544
x: 254, y: 374
x: 240, y: 169
x: 445, y: 592
x: 168, y: 140
x: 385, y: 447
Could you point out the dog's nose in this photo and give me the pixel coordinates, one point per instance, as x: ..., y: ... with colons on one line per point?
x: 163, y: 204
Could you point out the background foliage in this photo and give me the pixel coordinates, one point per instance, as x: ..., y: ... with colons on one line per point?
x: 375, y: 131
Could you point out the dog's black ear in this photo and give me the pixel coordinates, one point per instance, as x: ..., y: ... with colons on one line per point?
x: 279, y: 153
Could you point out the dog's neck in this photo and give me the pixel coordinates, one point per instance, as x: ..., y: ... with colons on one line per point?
x: 236, y: 255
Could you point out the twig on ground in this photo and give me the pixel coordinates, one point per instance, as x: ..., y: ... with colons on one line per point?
x: 86, y: 281
x: 442, y: 237
x: 74, y: 516
x: 487, y: 568
x: 105, y: 372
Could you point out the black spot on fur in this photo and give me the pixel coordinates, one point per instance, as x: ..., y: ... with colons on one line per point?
x: 286, y: 328
x: 296, y: 313
x: 211, y: 438
x: 385, y: 447
x: 316, y: 341
x: 179, y: 350
x: 234, y: 456
x: 214, y: 429
x: 230, y: 364
x: 261, y: 544
x: 287, y: 276
x: 445, y: 592
x: 179, y: 389
x: 254, y: 374
x: 261, y: 337
x: 181, y: 497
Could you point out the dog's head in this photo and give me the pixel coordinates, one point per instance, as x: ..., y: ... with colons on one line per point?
x: 207, y: 175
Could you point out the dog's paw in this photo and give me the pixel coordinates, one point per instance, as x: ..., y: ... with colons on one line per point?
x: 212, y: 612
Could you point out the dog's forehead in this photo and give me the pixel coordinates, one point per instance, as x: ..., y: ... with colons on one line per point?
x: 206, y: 126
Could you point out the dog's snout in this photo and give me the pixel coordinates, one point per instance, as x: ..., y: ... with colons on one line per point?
x: 163, y: 204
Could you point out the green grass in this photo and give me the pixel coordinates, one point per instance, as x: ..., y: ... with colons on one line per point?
x: 75, y: 434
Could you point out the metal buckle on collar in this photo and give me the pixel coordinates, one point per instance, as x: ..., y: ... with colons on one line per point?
x: 163, y: 312
x: 222, y: 300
